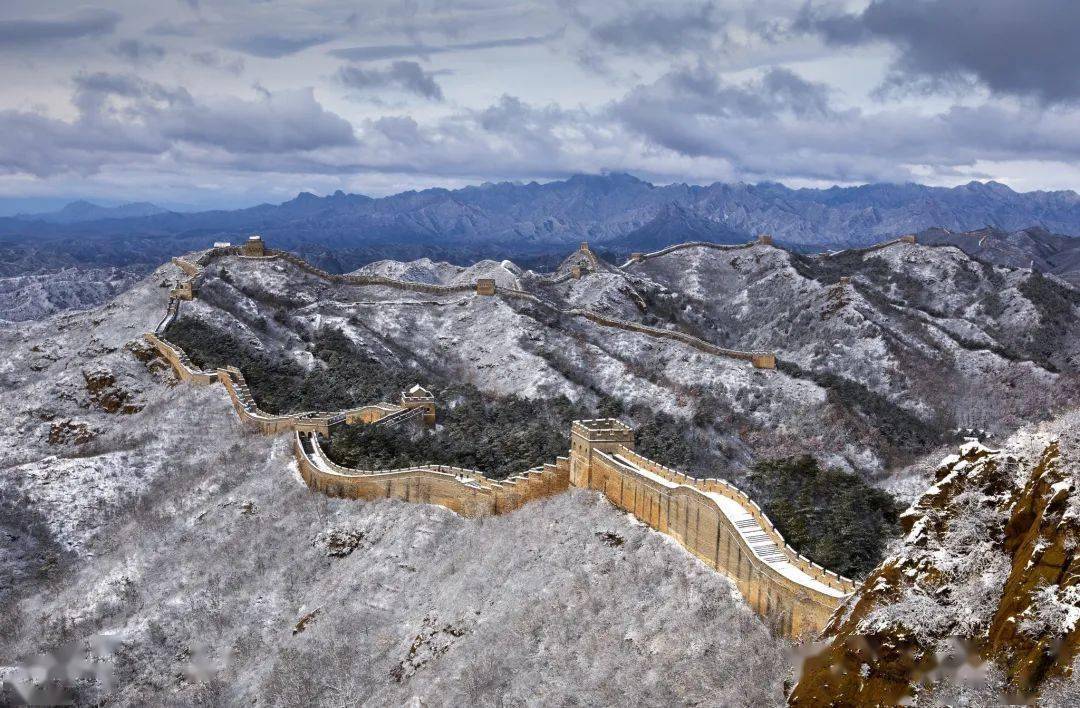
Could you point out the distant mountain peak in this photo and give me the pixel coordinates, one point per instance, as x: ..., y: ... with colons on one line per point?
x: 82, y: 210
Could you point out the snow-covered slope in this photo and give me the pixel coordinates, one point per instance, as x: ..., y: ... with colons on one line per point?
x: 502, y: 345
x: 936, y: 333
x: 882, y: 352
x: 148, y: 516
x: 32, y: 297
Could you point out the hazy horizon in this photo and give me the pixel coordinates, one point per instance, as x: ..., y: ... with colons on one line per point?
x: 13, y: 206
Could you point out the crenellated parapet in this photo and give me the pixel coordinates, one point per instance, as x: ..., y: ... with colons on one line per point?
x: 759, y: 359
x: 642, y: 257
x: 466, y: 492
x: 713, y: 520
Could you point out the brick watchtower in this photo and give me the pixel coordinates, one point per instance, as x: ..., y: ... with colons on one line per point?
x: 420, y: 397
x: 253, y: 247
x: 602, y: 434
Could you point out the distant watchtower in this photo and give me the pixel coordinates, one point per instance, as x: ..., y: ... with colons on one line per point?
x: 601, y: 434
x: 184, y: 290
x: 420, y: 397
x: 485, y: 286
x: 764, y: 239
x: 254, y: 247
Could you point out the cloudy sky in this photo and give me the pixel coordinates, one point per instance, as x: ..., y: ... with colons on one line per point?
x: 206, y: 103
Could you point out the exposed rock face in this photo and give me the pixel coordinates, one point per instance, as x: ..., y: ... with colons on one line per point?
x: 109, y: 395
x: 338, y: 543
x: 70, y: 431
x: 987, y: 565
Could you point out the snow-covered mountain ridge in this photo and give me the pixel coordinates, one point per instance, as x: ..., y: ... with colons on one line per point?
x: 889, y: 347
x: 983, y: 592
x: 222, y: 579
x: 74, y: 373
x: 33, y: 297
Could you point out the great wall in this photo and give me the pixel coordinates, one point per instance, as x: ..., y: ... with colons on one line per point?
x: 711, y: 518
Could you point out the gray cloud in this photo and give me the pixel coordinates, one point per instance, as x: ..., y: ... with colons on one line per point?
x: 665, y: 30
x: 284, y: 121
x: 1024, y: 49
x: 405, y: 75
x: 279, y: 128
x: 397, y: 51
x: 138, y: 52
x: 86, y: 23
x: 214, y: 60
x: 782, y: 127
x: 274, y: 46
x: 239, y: 128
x: 699, y: 91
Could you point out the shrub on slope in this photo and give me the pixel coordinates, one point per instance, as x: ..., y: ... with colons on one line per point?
x: 834, y: 517
x: 498, y: 436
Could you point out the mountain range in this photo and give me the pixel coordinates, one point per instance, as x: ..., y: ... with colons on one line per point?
x: 137, y: 506
x: 1034, y: 248
x: 616, y: 212
x: 81, y: 210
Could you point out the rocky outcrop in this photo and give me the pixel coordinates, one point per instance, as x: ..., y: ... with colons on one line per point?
x: 108, y: 394
x: 987, y: 569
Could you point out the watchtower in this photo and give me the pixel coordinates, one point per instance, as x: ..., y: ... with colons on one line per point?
x: 184, y: 290
x: 637, y: 257
x: 420, y: 397
x: 763, y: 360
x: 254, y: 247
x: 600, y: 434
x: 764, y: 239
x: 485, y: 286
x: 910, y: 238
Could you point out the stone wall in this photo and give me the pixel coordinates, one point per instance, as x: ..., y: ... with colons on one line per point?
x: 601, y: 458
x: 761, y: 360
x: 909, y: 239
x: 466, y: 492
x: 641, y: 257
x: 709, y: 517
x: 181, y: 364
x: 795, y: 602
x: 187, y: 266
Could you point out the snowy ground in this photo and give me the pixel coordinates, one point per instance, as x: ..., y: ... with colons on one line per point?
x: 32, y: 297
x: 192, y: 544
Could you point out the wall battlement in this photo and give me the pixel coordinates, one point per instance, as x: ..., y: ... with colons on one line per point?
x: 713, y: 520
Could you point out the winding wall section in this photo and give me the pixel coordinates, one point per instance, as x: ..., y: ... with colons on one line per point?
x: 760, y: 359
x: 712, y: 519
